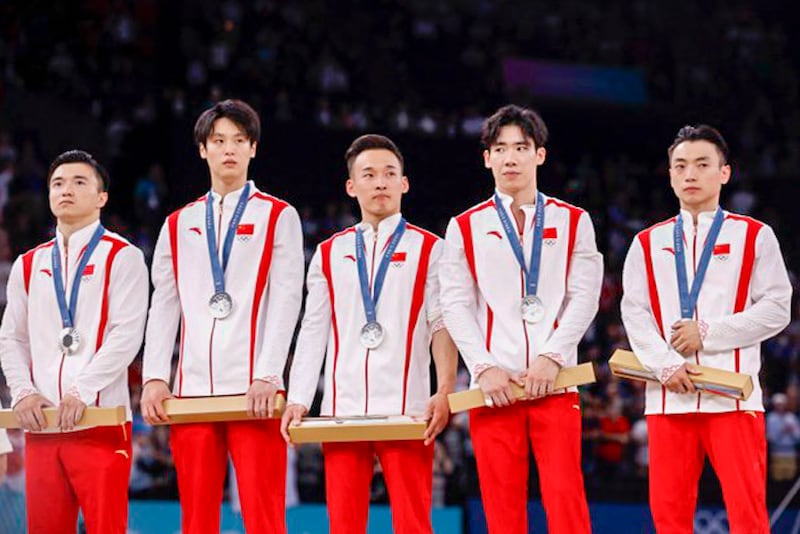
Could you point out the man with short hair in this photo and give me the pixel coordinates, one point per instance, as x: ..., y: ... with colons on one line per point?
x: 521, y: 280
x: 373, y: 309
x: 68, y: 348
x: 228, y: 268
x: 705, y: 287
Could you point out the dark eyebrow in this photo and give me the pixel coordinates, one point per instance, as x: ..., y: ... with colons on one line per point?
x: 371, y: 168
x: 515, y: 143
x: 74, y: 176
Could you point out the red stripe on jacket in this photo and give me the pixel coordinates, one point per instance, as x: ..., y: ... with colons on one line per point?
x: 746, y: 272
x: 263, y: 269
x: 418, y: 297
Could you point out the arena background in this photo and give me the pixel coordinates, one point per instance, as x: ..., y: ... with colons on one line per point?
x: 614, y: 81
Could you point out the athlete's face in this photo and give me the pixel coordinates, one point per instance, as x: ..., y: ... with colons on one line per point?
x: 76, y: 193
x: 513, y: 159
x: 377, y: 182
x: 228, y: 150
x: 697, y: 174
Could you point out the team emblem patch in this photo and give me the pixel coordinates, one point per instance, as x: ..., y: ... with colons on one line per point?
x: 550, y: 236
x: 722, y: 251
x: 244, y: 232
x: 88, y: 272
x: 398, y: 259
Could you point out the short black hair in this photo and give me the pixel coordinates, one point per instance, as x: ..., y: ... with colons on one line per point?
x: 237, y: 111
x: 701, y: 132
x: 371, y: 142
x: 529, y: 121
x: 80, y: 156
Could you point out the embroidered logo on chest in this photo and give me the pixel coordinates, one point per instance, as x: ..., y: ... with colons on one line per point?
x: 550, y: 236
x: 244, y: 232
x: 195, y: 230
x: 398, y: 259
x: 722, y: 251
x: 88, y: 272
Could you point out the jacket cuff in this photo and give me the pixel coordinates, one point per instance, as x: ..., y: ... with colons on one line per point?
x: 667, y: 372
x: 554, y: 356
x: 23, y: 394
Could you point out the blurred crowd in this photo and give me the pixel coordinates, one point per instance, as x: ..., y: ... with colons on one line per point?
x: 139, y: 72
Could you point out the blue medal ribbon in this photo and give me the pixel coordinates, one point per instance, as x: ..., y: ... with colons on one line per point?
x: 68, y: 312
x: 217, y: 269
x: 532, y: 272
x: 688, y: 297
x: 371, y: 301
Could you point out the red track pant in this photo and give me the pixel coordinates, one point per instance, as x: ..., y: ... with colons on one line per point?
x: 408, y: 471
x: 200, y: 451
x: 501, y: 437
x: 736, y: 447
x: 87, y: 469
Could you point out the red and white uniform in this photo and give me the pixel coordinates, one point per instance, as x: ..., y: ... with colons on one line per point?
x: 110, y: 318
x: 744, y: 299
x: 224, y: 356
x: 264, y: 277
x: 391, y: 379
x: 482, y: 290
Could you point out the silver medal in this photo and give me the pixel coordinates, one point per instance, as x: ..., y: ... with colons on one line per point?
x: 371, y: 335
x: 69, y: 340
x: 220, y: 305
x: 532, y: 309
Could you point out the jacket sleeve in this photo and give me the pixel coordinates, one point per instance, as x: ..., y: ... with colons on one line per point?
x: 127, y: 305
x: 582, y: 297
x: 644, y: 334
x: 770, y: 294
x: 314, y: 332
x: 284, y: 297
x: 459, y: 301
x: 15, y: 351
x: 165, y: 313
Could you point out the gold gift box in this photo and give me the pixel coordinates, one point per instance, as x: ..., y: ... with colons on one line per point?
x: 567, y: 377
x: 625, y: 364
x: 213, y: 409
x: 91, y: 417
x: 364, y: 428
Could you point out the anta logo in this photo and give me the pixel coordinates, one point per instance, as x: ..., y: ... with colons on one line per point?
x: 495, y: 233
x: 669, y: 249
x: 722, y: 251
x: 47, y: 272
x: 196, y: 229
x: 350, y: 257
x: 244, y: 232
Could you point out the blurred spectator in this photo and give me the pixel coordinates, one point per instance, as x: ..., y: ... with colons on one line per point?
x: 641, y: 455
x: 614, y: 436
x: 783, y: 436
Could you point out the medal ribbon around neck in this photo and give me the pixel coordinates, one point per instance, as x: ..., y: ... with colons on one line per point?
x: 532, y: 272
x: 217, y: 270
x: 688, y: 297
x: 371, y: 301
x: 68, y: 312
